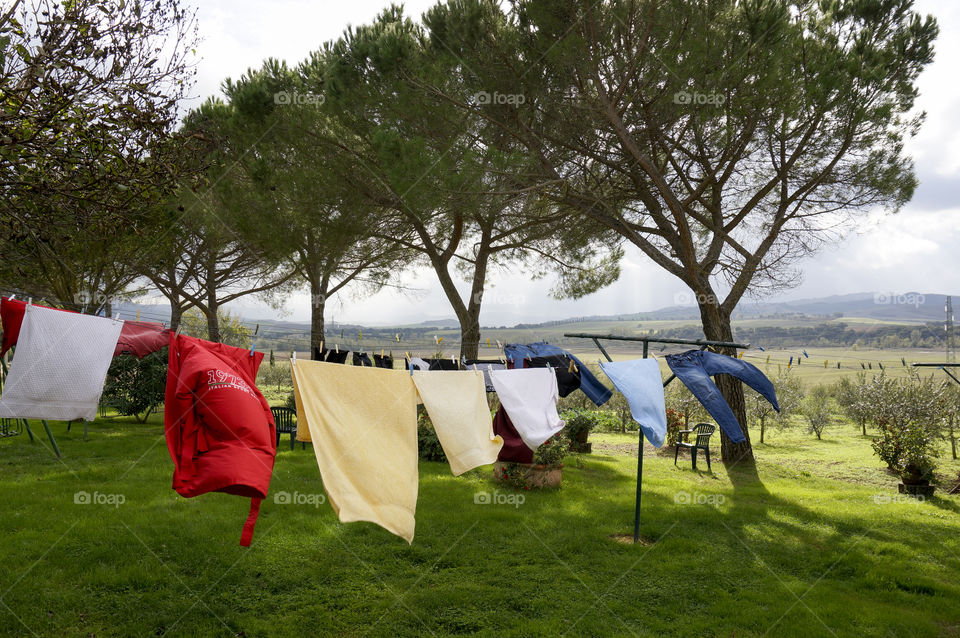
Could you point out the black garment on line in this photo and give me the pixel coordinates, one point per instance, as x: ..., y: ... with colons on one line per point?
x: 383, y: 361
x: 330, y: 356
x: 443, y: 364
x: 362, y: 359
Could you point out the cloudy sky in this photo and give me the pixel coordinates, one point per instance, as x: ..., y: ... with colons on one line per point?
x: 915, y: 250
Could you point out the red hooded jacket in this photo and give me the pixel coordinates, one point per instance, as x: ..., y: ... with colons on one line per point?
x: 219, y: 428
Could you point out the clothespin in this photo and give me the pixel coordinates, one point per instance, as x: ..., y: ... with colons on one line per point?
x: 293, y: 356
x: 762, y: 349
x: 499, y: 345
x: 488, y: 342
x: 381, y: 353
x: 254, y: 340
x: 572, y: 367
x: 29, y: 301
x: 768, y: 358
x: 138, y: 314
x: 453, y: 358
x: 806, y: 356
x: 740, y: 356
x: 397, y: 337
x: 179, y: 329
x: 791, y: 362
x: 338, y: 348
x: 475, y: 368
x: 321, y: 346
x: 12, y: 297
x: 410, y: 365
x: 549, y: 367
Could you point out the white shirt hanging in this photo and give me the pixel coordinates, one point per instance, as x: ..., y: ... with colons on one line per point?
x: 59, y: 366
x: 530, y: 398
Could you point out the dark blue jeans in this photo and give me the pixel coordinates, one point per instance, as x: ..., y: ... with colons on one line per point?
x: 695, y: 367
x: 591, y: 385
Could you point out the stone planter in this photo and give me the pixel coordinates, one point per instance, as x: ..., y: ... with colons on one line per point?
x: 534, y: 476
x: 916, y: 489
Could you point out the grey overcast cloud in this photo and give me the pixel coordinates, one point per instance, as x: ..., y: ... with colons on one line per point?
x: 917, y: 249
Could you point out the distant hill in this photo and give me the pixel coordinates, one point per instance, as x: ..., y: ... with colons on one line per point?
x: 911, y: 307
x: 906, y: 308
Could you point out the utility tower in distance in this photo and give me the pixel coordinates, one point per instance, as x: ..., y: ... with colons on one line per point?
x: 948, y: 326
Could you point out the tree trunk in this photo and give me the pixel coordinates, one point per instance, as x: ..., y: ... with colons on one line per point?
x: 176, y: 314
x: 953, y: 439
x: 470, y: 322
x: 318, y: 304
x: 213, y: 321
x: 716, y: 327
x: 470, y: 333
x: 863, y: 424
x: 763, y: 429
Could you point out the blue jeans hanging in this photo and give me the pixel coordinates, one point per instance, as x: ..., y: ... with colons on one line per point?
x: 695, y: 367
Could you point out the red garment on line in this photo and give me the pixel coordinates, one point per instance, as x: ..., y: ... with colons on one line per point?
x: 219, y: 428
x: 514, y: 450
x: 138, y: 338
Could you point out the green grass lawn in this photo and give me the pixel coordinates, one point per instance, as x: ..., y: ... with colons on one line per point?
x: 815, y: 542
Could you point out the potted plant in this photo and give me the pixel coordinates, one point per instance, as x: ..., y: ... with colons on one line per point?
x: 579, y: 424
x: 545, y: 471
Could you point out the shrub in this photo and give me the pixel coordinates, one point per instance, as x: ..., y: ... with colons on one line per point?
x: 428, y: 445
x: 291, y: 401
x: 619, y: 408
x: 277, y: 374
x: 816, y: 407
x: 675, y: 423
x: 135, y: 387
x: 909, y: 413
x: 552, y: 451
x: 679, y: 398
x: 789, y: 393
x: 579, y: 423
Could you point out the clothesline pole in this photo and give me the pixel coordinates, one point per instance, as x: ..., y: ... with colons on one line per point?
x: 703, y: 343
x: 53, y: 441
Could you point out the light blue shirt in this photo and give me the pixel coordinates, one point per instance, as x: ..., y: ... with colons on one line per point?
x: 640, y: 382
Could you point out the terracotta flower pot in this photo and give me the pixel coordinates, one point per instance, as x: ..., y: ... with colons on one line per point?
x: 534, y: 475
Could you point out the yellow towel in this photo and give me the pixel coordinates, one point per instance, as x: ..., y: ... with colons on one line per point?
x: 457, y: 404
x: 363, y: 422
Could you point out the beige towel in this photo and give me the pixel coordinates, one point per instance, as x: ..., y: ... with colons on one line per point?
x: 457, y: 404
x: 363, y: 423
